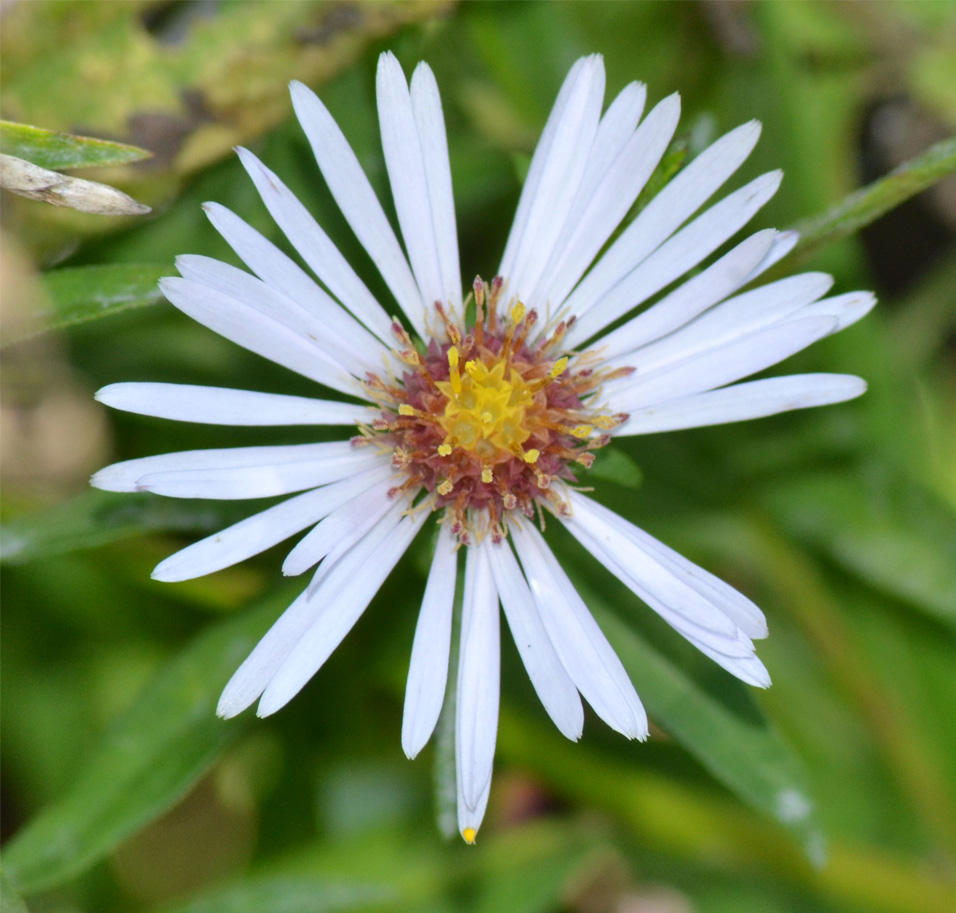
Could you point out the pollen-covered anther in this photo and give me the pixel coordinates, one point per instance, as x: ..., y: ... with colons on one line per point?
x: 444, y: 450
x: 531, y: 456
x: 581, y: 431
x: 486, y: 475
x: 444, y: 488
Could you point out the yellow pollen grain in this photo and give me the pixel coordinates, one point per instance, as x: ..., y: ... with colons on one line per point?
x: 606, y: 422
x: 471, y: 367
x: 486, y: 475
x: 444, y: 488
x: 559, y: 366
x: 518, y: 312
x: 405, y: 409
x: 531, y: 456
x: 469, y: 833
x: 444, y: 450
x: 581, y: 431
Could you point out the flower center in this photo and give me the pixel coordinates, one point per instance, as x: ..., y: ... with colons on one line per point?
x: 487, y: 421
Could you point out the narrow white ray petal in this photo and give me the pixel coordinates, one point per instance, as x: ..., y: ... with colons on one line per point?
x: 476, y: 725
x: 251, y: 678
x: 124, y: 476
x: 663, y: 580
x: 551, y: 682
x: 263, y: 530
x: 689, y: 300
x: 583, y: 649
x: 315, y: 248
x: 224, y: 406
x: 355, y: 197
x: 556, y: 185
x: 342, y: 597
x: 258, y: 333
x: 754, y: 399
x: 744, y: 613
x: 683, y: 196
x: 734, y: 318
x: 406, y: 175
x: 722, y: 365
x: 606, y: 204
x: 249, y: 292
x: 674, y: 257
x: 426, y: 105
x: 469, y: 819
x: 615, y: 129
x: 282, y: 273
x: 263, y: 480
x: 748, y: 669
x: 847, y: 309
x: 348, y: 522
x: 785, y: 242
x: 428, y: 667
x: 530, y: 189
x: 640, y: 570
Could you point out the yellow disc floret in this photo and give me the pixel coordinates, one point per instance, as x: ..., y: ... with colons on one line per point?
x: 485, y: 413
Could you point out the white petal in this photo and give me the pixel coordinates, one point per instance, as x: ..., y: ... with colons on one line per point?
x: 533, y: 178
x: 686, y: 598
x: 469, y: 819
x: 734, y: 318
x: 722, y: 365
x: 476, y: 725
x: 315, y: 248
x: 606, y: 204
x: 785, y: 242
x: 562, y: 154
x: 686, y: 193
x: 584, y: 651
x: 258, y: 333
x: 282, y: 273
x: 426, y: 104
x: 355, y: 197
x: 738, y: 403
x: 406, y: 175
x: 551, y: 682
x: 249, y: 292
x: 672, y: 259
x: 692, y: 298
x: 847, y: 309
x: 263, y: 530
x: 428, y: 668
x: 262, y: 473
x: 252, y: 677
x: 222, y: 406
x: 347, y: 523
x: 342, y: 597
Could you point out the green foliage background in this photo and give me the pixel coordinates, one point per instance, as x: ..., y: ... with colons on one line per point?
x: 834, y: 790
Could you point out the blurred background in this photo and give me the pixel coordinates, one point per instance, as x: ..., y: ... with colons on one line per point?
x: 833, y: 790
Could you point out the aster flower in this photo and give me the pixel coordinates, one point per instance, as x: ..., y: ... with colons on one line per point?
x: 480, y: 422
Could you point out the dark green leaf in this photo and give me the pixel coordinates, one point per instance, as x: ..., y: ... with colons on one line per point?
x: 866, y: 205
x: 148, y: 760
x: 97, y: 517
x: 288, y: 894
x: 728, y: 735
x: 10, y: 901
x: 891, y: 533
x: 59, y: 151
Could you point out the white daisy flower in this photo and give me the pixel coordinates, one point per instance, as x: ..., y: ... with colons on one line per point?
x: 480, y: 421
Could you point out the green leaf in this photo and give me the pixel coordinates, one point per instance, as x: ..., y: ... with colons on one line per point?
x: 148, y: 760
x: 888, y: 531
x: 860, y: 208
x: 95, y: 518
x: 730, y: 736
x: 287, y: 894
x: 59, y: 151
x: 10, y: 901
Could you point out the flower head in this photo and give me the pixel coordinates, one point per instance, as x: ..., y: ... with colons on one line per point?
x: 479, y: 409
